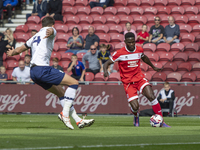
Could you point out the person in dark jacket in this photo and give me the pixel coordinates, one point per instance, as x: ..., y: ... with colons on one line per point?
x: 39, y: 9
x: 9, y: 4
x: 54, y: 9
x: 102, y: 3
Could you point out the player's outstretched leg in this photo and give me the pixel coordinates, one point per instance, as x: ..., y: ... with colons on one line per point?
x: 134, y: 109
x: 148, y: 92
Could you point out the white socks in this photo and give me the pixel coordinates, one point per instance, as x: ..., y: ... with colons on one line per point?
x: 154, y: 102
x: 74, y: 114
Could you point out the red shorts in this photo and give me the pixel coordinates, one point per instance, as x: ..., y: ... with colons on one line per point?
x: 132, y: 88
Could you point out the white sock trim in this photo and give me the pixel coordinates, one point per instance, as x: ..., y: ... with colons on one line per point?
x: 154, y: 102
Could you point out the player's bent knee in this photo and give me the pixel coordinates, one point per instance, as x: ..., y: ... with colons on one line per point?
x: 151, y: 97
x: 134, y: 104
x: 68, y: 80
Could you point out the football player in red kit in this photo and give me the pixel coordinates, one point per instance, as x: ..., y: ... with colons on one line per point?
x: 133, y: 79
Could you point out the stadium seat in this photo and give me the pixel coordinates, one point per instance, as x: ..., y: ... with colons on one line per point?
x: 4, y: 56
x: 163, y: 47
x: 65, y: 65
x: 55, y: 47
x: 196, y: 67
x: 160, y: 3
x: 104, y: 37
x: 34, y: 27
x: 139, y: 29
x: 81, y: 3
x: 11, y: 64
x: 97, y: 11
x: 181, y: 56
x: 72, y: 26
x: 192, y: 10
x: 9, y: 73
x: 61, y: 28
x: 193, y: 47
x: 62, y: 46
x: 125, y: 19
x: 174, y: 77
x: 188, y: 77
x: 99, y: 20
x: 72, y: 20
x: 153, y: 56
x: 69, y: 11
x: 55, y: 54
x: 116, y: 67
x: 110, y: 11
x: 174, y: 3
x: 123, y: 11
x: 33, y: 20
x: 80, y: 56
x: 163, y: 10
x: 66, y: 56
x: 119, y: 45
x: 133, y: 3
x: 165, y: 57
x: 194, y: 20
x: 197, y: 4
x: 115, y: 76
x: 187, y: 3
x: 148, y: 76
x: 21, y: 28
x: 197, y: 39
x: 185, y: 66
x: 68, y: 2
x: 164, y: 20
x: 156, y: 64
x: 181, y: 19
x: 144, y: 66
x: 187, y: 38
x: 178, y: 10
x: 136, y: 11
x: 89, y: 76
x: 149, y: 47
x: 196, y: 30
x: 194, y: 56
x: 15, y: 57
x: 85, y: 20
x: 150, y: 11
x: 146, y: 3
x: 198, y: 78
x: 140, y: 20
x: 116, y: 38
x: 113, y: 20
x: 159, y: 77
x: 170, y: 66
x: 85, y: 29
x: 21, y: 37
x: 102, y: 29
x: 99, y: 77
x: 62, y: 37
x: 83, y: 11
x: 176, y: 47
x: 185, y: 29
x: 120, y: 3
x: 115, y: 29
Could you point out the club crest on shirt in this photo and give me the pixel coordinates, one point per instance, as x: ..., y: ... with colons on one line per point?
x: 77, y: 67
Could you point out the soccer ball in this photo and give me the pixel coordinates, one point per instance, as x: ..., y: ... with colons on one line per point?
x: 156, y: 120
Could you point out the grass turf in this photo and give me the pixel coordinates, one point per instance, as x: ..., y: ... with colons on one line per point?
x: 30, y: 131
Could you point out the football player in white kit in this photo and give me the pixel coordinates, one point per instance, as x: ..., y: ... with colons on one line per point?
x: 49, y: 78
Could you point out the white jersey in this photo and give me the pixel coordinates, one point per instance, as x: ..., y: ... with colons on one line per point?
x: 22, y: 75
x: 41, y: 48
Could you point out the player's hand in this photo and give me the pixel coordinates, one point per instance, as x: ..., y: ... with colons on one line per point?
x: 10, y: 52
x: 157, y: 69
x: 81, y: 79
x: 49, y: 32
x: 106, y: 74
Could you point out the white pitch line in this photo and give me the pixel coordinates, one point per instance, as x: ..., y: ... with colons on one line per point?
x: 95, y: 146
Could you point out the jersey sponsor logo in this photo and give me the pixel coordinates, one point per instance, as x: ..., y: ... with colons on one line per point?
x: 133, y: 63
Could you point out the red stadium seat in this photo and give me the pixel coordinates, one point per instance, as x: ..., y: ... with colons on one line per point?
x: 156, y: 64
x: 177, y: 47
x: 148, y: 76
x: 174, y: 3
x: 181, y: 19
x: 34, y: 27
x: 149, y: 47
x: 186, y: 3
x: 140, y: 20
x: 133, y: 3
x: 72, y: 20
x: 194, y: 20
x: 116, y: 38
x: 22, y: 28
x: 11, y: 64
x: 89, y: 76
x: 115, y: 29
x: 196, y: 67
x: 68, y: 2
x: 120, y: 3
x: 99, y: 77
x: 113, y: 20
x: 181, y: 56
x: 55, y: 47
x: 104, y: 37
x: 116, y: 67
x: 99, y: 20
x: 80, y: 56
x: 191, y: 10
x: 85, y: 29
x: 160, y: 3
x: 83, y: 10
x: 4, y: 56
x: 153, y: 56
x: 102, y: 29
x: 196, y: 30
x: 81, y: 3
x: 9, y: 73
x: 56, y: 54
x: 65, y: 65
x: 150, y: 11
x: 197, y: 39
x: 21, y: 37
x: 164, y: 10
x: 15, y: 57
x: 144, y: 66
x: 123, y: 11
x: 185, y: 28
x: 110, y: 11
x: 70, y: 11
x: 33, y: 20
x: 159, y: 77
x: 163, y: 47
x: 139, y: 29
x: 178, y: 10
x: 187, y: 38
x: 115, y: 76
x: 194, y: 56
x: 62, y: 37
x: 170, y: 66
x: 185, y: 66
x: 197, y: 3
x: 146, y: 3
x: 62, y: 46
x: 86, y: 20
x: 97, y: 11
x: 188, y: 77
x: 61, y: 28
x: 150, y: 22
x: 136, y: 11
x: 125, y: 19
x: 198, y: 78
x: 174, y: 77
x: 119, y: 45
x: 166, y: 56
x: 72, y: 26
x: 192, y: 47
x: 66, y: 56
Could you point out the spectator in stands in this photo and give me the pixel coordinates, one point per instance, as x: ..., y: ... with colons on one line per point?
x: 156, y: 32
x: 1, y: 9
x: 91, y: 57
x: 91, y: 39
x: 3, y: 47
x: 75, y: 42
x: 77, y: 68
x: 166, y: 98
x: 128, y: 29
x: 55, y: 64
x: 9, y: 37
x: 9, y: 4
x: 39, y: 9
x: 21, y: 73
x: 103, y: 56
x: 102, y: 3
x: 3, y: 75
x: 54, y: 9
x: 33, y: 32
x: 27, y: 60
x: 143, y: 36
x: 172, y: 32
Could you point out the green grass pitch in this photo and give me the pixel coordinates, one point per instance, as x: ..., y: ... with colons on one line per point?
x: 25, y: 132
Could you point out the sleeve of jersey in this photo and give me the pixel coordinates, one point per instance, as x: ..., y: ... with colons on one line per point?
x: 115, y: 57
x: 29, y: 43
x: 55, y: 32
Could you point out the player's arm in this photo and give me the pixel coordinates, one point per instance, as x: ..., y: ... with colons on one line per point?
x: 148, y: 62
x: 49, y: 32
x: 18, y: 50
x: 105, y: 67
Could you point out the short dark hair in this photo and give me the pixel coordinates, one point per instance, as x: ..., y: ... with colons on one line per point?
x: 103, y: 46
x: 166, y: 83
x: 34, y: 30
x: 129, y: 34
x: 48, y: 21
x: 55, y: 59
x: 74, y: 55
x: 128, y: 23
x: 27, y: 55
x: 76, y: 29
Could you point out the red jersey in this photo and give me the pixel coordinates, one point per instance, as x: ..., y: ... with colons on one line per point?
x: 129, y: 64
x: 144, y: 35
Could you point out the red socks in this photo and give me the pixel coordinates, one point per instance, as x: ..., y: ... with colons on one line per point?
x: 156, y: 107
